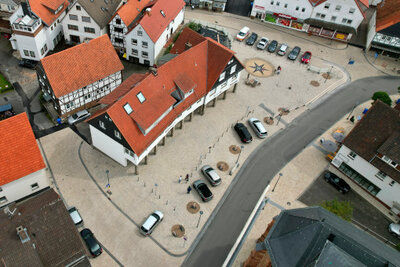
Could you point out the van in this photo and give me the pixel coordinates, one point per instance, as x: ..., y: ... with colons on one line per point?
x: 244, y: 32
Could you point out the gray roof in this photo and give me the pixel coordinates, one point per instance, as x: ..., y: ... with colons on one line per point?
x: 100, y: 10
x: 308, y: 229
x: 391, y: 147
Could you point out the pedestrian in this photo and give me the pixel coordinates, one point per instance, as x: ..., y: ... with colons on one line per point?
x: 189, y: 189
x: 58, y: 120
x: 187, y: 178
x: 180, y: 179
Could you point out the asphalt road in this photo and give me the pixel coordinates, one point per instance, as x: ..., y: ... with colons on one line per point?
x: 363, y: 212
x: 268, y: 159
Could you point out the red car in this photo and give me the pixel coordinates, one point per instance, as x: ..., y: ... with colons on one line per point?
x: 306, y: 57
x: 7, y: 35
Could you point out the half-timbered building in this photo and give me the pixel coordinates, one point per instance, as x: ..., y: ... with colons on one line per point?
x: 140, y: 113
x: 78, y: 77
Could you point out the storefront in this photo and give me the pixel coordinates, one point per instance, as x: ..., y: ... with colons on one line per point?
x: 329, y: 30
x: 283, y: 20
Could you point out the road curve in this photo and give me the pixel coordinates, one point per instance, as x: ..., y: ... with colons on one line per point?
x: 271, y: 156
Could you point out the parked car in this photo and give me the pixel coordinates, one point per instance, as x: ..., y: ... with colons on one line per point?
x: 211, y: 175
x: 244, y: 32
x: 27, y: 63
x: 306, y: 57
x: 272, y: 46
x: 7, y: 36
x: 91, y: 242
x: 252, y: 39
x: 79, y: 116
x: 394, y: 229
x: 151, y: 222
x: 262, y: 44
x: 203, y: 190
x: 294, y: 53
x: 337, y: 182
x: 258, y: 128
x: 282, y: 49
x: 75, y: 216
x: 243, y: 133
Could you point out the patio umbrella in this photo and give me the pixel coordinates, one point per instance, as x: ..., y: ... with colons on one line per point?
x: 329, y: 146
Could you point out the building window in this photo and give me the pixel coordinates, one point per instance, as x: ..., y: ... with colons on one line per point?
x: 352, y: 10
x: 318, y: 15
x: 119, y: 29
x: 26, y: 53
x: 69, y: 105
x: 1, y: 190
x: 162, y: 13
x: 272, y: 2
x: 333, y: 18
x: 323, y: 16
x: 145, y: 54
x: 303, y: 9
x: 51, y: 28
x: 117, y: 134
x: 352, y: 155
x: 327, y: 5
x: 134, y: 42
x: 73, y: 27
x: 233, y: 69
x: 145, y: 44
x: 222, y: 76
x: 386, y: 159
x: 118, y: 21
x: 45, y: 47
x: 278, y: 3
x: 393, y: 164
x: 119, y: 40
x: 381, y: 175
x: 141, y: 97
x: 89, y: 30
x: 392, y: 183
x: 85, y: 19
x: 42, y: 51
x: 135, y: 52
x: 73, y: 17
x: 128, y: 108
x: 34, y: 186
x: 102, y: 125
x: 359, y: 179
x: 3, y: 200
x: 285, y: 6
x: 349, y: 21
x: 139, y: 33
x: 297, y: 8
x: 78, y: 7
x: 338, y: 7
x: 87, y: 96
x: 32, y: 53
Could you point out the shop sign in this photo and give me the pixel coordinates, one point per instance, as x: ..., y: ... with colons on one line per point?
x: 259, y: 7
x: 284, y: 16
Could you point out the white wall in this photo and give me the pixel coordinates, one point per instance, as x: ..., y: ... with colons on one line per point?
x: 22, y: 187
x: 145, y: 37
x: 388, y: 193
x: 289, y: 10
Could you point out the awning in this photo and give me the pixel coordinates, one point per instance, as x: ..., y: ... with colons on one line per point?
x: 330, y: 25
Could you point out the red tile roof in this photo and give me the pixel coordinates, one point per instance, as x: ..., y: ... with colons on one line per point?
x: 184, y: 82
x: 187, y: 36
x: 81, y: 65
x: 41, y: 9
x: 388, y: 14
x: 155, y: 23
x: 132, y: 9
x: 20, y: 154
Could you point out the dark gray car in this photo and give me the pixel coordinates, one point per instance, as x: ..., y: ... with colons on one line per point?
x: 211, y: 175
x: 294, y: 53
x: 203, y: 190
x: 272, y: 46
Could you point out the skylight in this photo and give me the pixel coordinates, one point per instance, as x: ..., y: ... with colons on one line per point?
x: 141, y: 97
x: 128, y: 108
x: 162, y: 13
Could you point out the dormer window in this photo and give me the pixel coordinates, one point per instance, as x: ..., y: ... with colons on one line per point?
x: 128, y: 108
x: 140, y: 97
x: 59, y: 8
x: 162, y: 13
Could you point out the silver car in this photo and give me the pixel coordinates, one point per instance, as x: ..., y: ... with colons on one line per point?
x: 394, y: 229
x: 262, y: 44
x: 79, y: 116
x: 211, y: 175
x: 282, y: 49
x: 258, y: 128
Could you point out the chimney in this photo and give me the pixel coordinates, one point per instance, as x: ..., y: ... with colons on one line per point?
x: 153, y: 70
x: 23, y: 234
x: 188, y: 45
x: 148, y: 10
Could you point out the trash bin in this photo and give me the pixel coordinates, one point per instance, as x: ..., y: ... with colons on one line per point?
x: 365, y: 110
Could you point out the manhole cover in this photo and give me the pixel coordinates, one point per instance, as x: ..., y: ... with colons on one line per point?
x: 314, y: 83
x: 222, y: 166
x: 269, y: 120
x: 193, y: 207
x: 234, y: 149
x: 178, y: 230
x: 326, y: 76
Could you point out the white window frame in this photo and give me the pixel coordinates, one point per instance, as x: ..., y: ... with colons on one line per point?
x: 352, y: 155
x: 386, y: 159
x: 117, y: 134
x: 327, y: 5
x: 3, y: 200
x: 222, y: 76
x: 102, y: 125
x: 128, y: 108
x: 338, y: 7
x: 233, y: 69
x: 34, y: 186
x: 352, y: 10
x: 381, y: 175
x: 140, y: 97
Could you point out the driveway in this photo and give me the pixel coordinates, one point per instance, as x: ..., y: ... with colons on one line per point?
x: 363, y: 212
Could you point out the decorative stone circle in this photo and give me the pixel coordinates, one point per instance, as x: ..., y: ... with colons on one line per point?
x: 222, y: 166
x: 314, y: 83
x: 178, y: 230
x: 193, y: 207
x: 234, y: 149
x: 259, y: 67
x: 326, y: 76
x: 269, y: 120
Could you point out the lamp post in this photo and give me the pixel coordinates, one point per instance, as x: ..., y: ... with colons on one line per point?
x: 108, y: 186
x: 198, y: 222
x: 280, y: 175
x: 240, y: 152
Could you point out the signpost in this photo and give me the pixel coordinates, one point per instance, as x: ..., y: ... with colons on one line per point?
x: 198, y: 222
x: 108, y: 186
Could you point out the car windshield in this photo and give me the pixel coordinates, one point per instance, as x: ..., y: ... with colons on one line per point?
x: 241, y: 33
x: 75, y: 116
x: 307, y: 56
x: 204, y: 189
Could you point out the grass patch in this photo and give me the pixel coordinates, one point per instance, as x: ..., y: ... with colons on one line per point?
x: 4, y: 84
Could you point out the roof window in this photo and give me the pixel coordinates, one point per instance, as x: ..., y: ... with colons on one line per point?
x: 162, y: 13
x: 141, y: 97
x: 128, y: 108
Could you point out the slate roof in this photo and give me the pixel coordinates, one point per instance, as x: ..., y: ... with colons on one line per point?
x: 42, y: 8
x: 388, y: 14
x: 54, y: 239
x: 81, y: 65
x: 377, y: 131
x: 20, y: 154
x: 308, y: 231
x: 100, y: 10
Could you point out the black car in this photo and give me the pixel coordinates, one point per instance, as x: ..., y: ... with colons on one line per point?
x: 243, y: 133
x: 27, y: 63
x: 203, y: 190
x: 252, y: 39
x: 337, y: 182
x: 272, y: 46
x: 294, y: 53
x: 91, y: 242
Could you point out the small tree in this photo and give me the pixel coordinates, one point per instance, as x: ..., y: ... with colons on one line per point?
x: 343, y: 209
x: 194, y: 26
x: 383, y: 96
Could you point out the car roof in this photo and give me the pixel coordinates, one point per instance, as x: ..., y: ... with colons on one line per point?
x: 150, y: 221
x: 245, y: 29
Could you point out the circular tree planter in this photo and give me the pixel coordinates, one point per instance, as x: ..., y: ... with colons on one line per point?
x: 178, y: 230
x: 193, y: 207
x: 314, y: 83
x: 222, y: 166
x: 234, y: 149
x: 269, y: 120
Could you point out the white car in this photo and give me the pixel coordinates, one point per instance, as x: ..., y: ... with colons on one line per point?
x: 211, y: 175
x: 79, y: 116
x: 244, y: 32
x: 152, y: 221
x: 394, y: 229
x: 258, y: 128
x: 282, y: 50
x: 75, y: 216
x: 262, y: 44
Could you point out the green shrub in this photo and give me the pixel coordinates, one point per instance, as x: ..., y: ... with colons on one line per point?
x: 4, y: 85
x: 168, y: 49
x: 383, y: 96
x: 343, y: 209
x: 194, y: 26
x: 176, y: 36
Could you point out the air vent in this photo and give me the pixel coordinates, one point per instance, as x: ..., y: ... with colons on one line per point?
x: 23, y: 234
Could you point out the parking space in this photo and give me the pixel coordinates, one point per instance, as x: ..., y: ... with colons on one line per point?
x: 363, y: 212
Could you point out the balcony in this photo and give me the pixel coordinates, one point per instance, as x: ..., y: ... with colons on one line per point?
x: 26, y: 24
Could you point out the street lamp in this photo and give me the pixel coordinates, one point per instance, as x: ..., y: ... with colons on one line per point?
x: 108, y: 186
x: 198, y: 222
x: 280, y: 175
x: 240, y: 152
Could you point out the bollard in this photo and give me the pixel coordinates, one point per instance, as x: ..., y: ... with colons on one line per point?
x: 166, y: 203
x: 152, y: 190
x: 144, y: 184
x: 174, y: 208
x: 138, y: 179
x: 159, y: 196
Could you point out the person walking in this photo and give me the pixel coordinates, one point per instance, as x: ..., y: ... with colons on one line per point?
x: 180, y: 179
x: 187, y: 178
x: 189, y: 189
